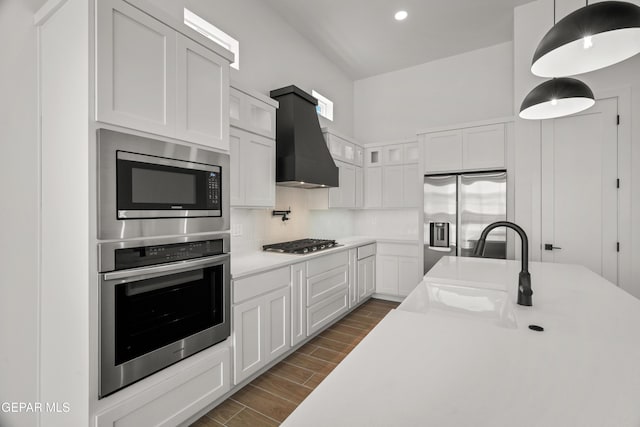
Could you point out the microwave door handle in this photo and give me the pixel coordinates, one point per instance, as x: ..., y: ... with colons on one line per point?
x: 150, y: 272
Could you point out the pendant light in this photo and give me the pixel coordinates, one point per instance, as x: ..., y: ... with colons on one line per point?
x: 590, y: 38
x: 556, y: 98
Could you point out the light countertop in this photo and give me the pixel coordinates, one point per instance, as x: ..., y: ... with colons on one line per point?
x: 247, y: 264
x: 440, y: 369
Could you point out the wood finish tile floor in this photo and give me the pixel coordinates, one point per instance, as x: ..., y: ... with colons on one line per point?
x: 269, y: 399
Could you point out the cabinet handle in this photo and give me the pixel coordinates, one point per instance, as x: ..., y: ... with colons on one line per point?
x: 550, y: 247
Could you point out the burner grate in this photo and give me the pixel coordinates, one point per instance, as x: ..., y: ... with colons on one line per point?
x: 302, y: 246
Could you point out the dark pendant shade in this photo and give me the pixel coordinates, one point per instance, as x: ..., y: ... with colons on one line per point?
x: 592, y: 37
x: 556, y: 98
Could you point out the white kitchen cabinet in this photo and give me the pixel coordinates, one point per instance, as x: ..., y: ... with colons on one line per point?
x: 466, y: 149
x: 483, y: 147
x: 195, y: 383
x: 327, y: 290
x: 298, y: 303
x: 411, y: 186
x: 359, y: 188
x: 397, y: 268
x: 393, y: 154
x: 252, y: 111
x: 443, y: 151
x: 261, y: 321
x: 153, y: 79
x: 136, y: 69
x: 342, y: 148
x: 353, y: 277
x: 411, y: 153
x: 392, y: 189
x: 344, y: 196
x: 202, y: 95
x: 366, y: 277
x: 253, y: 169
x: 359, y: 156
x: 373, y: 187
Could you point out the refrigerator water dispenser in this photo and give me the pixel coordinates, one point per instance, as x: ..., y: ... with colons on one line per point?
x: 439, y: 234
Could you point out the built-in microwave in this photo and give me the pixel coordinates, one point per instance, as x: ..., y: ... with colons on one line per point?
x: 149, y: 187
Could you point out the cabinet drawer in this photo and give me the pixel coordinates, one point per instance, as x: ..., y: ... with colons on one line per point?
x: 366, y: 251
x: 398, y: 249
x: 173, y: 401
x: 259, y: 284
x: 325, y: 312
x: 324, y: 285
x: 327, y: 262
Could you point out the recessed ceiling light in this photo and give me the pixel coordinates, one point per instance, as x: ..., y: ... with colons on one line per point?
x: 401, y: 15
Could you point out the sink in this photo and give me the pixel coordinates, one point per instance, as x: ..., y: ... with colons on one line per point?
x: 484, y: 304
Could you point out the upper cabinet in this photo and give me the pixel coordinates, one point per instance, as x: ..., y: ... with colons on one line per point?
x: 471, y: 148
x: 253, y: 149
x: 392, y: 176
x: 153, y: 79
x: 252, y: 112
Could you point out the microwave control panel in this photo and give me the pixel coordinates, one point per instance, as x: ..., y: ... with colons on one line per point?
x: 213, y: 190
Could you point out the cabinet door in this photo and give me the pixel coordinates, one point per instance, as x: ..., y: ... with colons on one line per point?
x: 353, y: 277
x: 408, y: 275
x: 344, y: 196
x: 248, y: 336
x: 373, y: 187
x: 359, y: 156
x: 483, y: 147
x: 373, y: 156
x: 393, y: 155
x: 277, y: 323
x: 258, y: 167
x: 202, y: 110
x: 136, y: 69
x: 298, y: 303
x: 392, y: 186
x: 236, y: 177
x: 359, y: 188
x: 387, y: 274
x: 366, y: 277
x: 443, y: 151
x: 411, y: 186
x: 411, y: 152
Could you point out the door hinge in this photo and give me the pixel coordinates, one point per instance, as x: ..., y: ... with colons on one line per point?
x: 617, y: 246
x: 618, y: 183
x: 618, y: 119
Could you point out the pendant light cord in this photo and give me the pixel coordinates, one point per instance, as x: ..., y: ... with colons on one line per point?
x: 554, y: 12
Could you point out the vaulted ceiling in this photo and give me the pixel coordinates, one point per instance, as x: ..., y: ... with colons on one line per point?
x: 363, y: 39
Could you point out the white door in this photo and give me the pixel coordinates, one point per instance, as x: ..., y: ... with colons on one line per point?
x: 443, y: 151
x: 387, y: 272
x: 373, y: 187
x: 278, y: 323
x: 392, y: 186
x: 579, y: 194
x: 202, y: 110
x: 258, y: 166
x: 248, y: 336
x: 483, y: 147
x: 135, y: 69
x: 411, y: 186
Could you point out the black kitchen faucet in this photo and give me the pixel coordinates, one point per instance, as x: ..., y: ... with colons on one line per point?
x: 524, y: 279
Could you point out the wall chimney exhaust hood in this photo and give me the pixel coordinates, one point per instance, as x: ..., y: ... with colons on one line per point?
x: 302, y: 157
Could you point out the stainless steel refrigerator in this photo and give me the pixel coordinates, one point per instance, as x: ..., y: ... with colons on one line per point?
x: 457, y: 207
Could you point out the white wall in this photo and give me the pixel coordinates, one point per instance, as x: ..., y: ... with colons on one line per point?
x: 531, y: 22
x: 273, y: 54
x: 473, y: 86
x: 18, y: 192
x: 259, y: 227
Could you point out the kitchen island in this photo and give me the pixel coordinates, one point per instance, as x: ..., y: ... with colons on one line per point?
x: 428, y: 366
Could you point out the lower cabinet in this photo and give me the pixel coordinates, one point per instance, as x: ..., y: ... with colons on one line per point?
x: 298, y: 303
x: 397, y: 269
x: 175, y: 399
x: 327, y: 290
x: 261, y: 324
x: 366, y: 277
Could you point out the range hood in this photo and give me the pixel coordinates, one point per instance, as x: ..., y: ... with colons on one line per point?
x: 302, y: 157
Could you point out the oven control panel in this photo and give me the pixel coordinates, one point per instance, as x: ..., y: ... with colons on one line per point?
x: 151, y: 255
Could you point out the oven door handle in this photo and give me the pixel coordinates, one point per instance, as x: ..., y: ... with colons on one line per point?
x: 142, y: 273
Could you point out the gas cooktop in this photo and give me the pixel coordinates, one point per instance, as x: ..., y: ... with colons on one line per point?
x: 302, y: 246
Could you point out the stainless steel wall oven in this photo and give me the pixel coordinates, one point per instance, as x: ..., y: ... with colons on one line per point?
x: 161, y: 300
x: 148, y: 187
